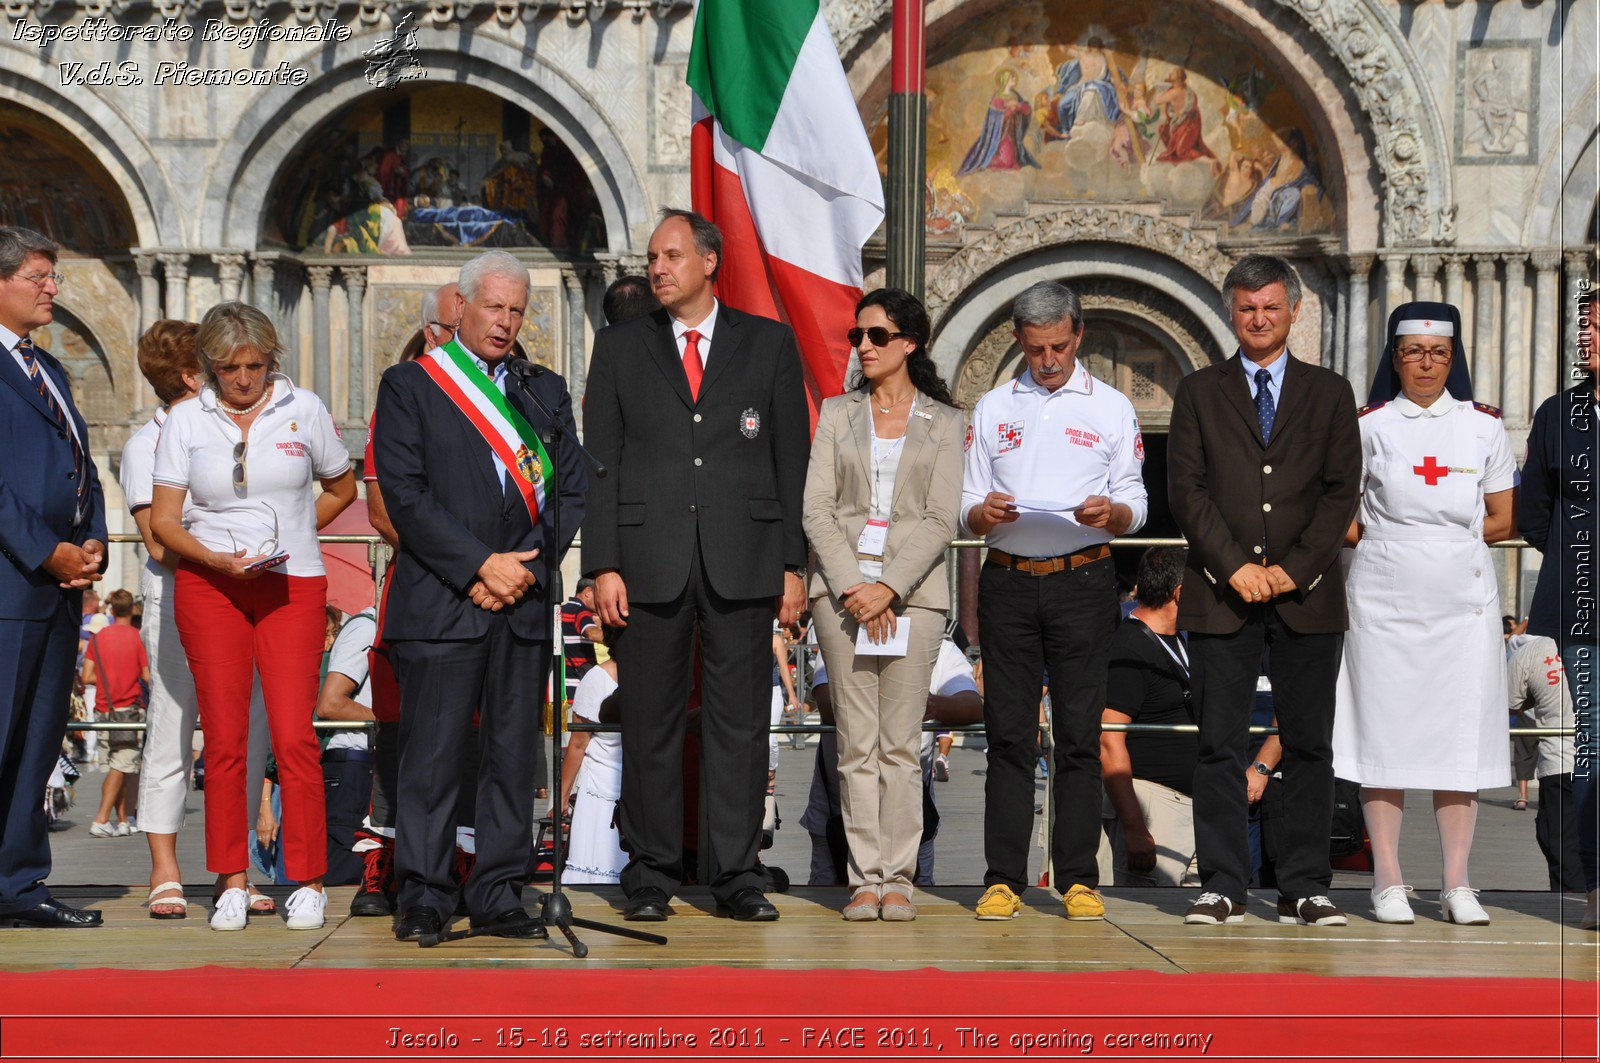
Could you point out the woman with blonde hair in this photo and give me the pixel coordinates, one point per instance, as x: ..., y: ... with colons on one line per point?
x: 251, y: 587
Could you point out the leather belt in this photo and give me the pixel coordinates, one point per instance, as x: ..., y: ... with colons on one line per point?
x: 1044, y: 566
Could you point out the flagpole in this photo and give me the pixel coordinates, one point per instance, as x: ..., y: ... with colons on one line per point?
x: 908, y: 148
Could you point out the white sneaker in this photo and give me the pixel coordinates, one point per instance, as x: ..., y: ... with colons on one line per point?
x: 123, y: 830
x: 102, y: 830
x: 1391, y: 905
x: 1590, y: 920
x: 305, y: 908
x: 232, y: 910
x: 1461, y: 906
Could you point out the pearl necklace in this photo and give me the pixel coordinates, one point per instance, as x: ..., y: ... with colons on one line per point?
x: 252, y: 408
x: 892, y: 405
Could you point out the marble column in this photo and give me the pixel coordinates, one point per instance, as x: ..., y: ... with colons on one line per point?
x: 230, y: 275
x: 1341, y: 322
x: 149, y: 312
x: 263, y: 285
x: 1580, y: 277
x: 355, y: 290
x: 1427, y: 270
x: 1514, y: 351
x: 175, y: 264
x: 1546, y: 347
x: 1455, y: 280
x: 321, y: 333
x: 1357, y: 347
x: 1485, y: 349
x: 1394, y: 283
x: 577, y: 322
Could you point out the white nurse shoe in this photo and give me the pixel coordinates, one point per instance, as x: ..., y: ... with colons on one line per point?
x: 1461, y: 906
x: 1391, y: 906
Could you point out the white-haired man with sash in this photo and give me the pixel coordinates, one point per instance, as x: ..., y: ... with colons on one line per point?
x: 469, y: 487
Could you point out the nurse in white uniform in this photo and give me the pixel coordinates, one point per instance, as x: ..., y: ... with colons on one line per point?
x: 1421, y: 697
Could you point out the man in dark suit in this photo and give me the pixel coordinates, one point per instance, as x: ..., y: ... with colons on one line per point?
x: 52, y: 539
x: 469, y: 487
x: 1264, y: 473
x: 699, y: 410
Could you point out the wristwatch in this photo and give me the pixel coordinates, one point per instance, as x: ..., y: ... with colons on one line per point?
x: 1262, y: 768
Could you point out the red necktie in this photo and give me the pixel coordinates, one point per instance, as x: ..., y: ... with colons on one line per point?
x: 692, y: 366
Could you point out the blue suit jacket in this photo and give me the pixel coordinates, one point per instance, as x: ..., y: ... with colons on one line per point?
x: 38, y: 495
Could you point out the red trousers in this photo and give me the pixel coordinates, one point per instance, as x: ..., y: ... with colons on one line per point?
x: 272, y: 625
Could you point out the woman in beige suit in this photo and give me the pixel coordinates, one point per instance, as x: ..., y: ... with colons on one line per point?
x: 883, y: 495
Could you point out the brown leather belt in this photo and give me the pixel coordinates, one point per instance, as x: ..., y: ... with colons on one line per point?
x: 1044, y: 566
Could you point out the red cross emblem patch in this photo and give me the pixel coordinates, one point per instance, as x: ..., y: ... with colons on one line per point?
x: 1431, y: 471
x: 1010, y: 435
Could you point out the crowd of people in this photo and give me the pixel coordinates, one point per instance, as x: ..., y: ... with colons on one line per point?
x: 1341, y: 553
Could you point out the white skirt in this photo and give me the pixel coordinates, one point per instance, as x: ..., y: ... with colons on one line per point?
x: 1422, y: 693
x: 594, y: 853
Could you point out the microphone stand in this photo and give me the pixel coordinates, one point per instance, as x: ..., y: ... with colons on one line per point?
x: 554, y: 909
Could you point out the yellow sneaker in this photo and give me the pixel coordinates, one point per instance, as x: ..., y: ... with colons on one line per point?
x: 1084, y: 903
x: 998, y: 902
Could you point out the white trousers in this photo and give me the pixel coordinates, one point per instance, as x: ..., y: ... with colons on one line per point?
x: 170, y: 720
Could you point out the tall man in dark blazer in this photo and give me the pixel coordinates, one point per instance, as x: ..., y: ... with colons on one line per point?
x: 469, y: 488
x: 52, y: 542
x: 1264, y: 473
x: 700, y: 413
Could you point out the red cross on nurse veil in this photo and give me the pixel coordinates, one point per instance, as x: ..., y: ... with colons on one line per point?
x: 1430, y: 470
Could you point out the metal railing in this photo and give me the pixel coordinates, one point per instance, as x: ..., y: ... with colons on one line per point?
x: 379, y: 554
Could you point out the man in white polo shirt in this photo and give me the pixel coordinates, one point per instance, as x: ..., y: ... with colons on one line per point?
x: 1053, y: 474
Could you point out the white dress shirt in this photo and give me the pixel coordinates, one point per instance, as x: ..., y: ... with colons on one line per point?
x: 705, y: 328
x: 1054, y: 449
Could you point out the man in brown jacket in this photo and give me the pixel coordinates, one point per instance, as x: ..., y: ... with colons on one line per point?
x: 1264, y: 473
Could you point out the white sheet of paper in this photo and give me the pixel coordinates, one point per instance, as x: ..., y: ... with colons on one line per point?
x: 899, y: 643
x: 1048, y: 505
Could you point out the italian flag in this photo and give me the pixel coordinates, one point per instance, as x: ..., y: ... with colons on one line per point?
x: 781, y: 162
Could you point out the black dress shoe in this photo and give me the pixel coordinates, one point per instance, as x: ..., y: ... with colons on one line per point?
x: 512, y: 924
x: 51, y: 914
x: 416, y: 923
x: 749, y: 905
x: 649, y: 905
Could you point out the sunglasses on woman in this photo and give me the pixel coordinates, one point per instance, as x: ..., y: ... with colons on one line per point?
x: 877, y: 335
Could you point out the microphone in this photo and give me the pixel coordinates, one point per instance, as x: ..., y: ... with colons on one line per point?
x: 524, y: 368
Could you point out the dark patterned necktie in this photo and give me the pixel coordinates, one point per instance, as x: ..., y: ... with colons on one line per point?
x: 1266, y: 409
x: 35, y: 374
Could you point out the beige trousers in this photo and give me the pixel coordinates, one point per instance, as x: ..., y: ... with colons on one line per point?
x: 1169, y: 816
x: 878, y: 704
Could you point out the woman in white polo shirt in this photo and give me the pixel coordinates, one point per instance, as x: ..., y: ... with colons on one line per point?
x: 170, y: 363
x: 251, y: 588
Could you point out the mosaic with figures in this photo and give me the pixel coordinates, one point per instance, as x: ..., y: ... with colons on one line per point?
x: 1097, y: 101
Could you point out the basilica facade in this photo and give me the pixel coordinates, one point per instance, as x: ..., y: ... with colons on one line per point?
x: 331, y: 162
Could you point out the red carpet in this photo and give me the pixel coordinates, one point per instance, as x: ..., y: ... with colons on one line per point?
x: 711, y: 1013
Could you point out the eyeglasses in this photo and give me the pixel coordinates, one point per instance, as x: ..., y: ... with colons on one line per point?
x: 877, y: 335
x: 1413, y: 354
x: 39, y: 280
x: 241, y: 476
x: 441, y: 324
x: 266, y: 549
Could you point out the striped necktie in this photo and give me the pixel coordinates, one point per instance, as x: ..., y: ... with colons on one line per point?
x: 79, y: 462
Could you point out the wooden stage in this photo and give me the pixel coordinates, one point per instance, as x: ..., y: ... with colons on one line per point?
x: 1534, y: 935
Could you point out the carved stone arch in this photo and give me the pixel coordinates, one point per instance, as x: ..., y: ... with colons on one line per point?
x: 1401, y: 155
x: 1069, y: 226
x: 1184, y: 301
x: 104, y: 133
x: 1189, y: 344
x: 1565, y: 189
x: 267, y: 133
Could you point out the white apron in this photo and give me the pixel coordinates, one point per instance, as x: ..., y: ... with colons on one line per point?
x: 1422, y: 693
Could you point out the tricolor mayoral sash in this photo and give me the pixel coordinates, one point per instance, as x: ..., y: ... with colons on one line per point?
x: 505, y: 429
